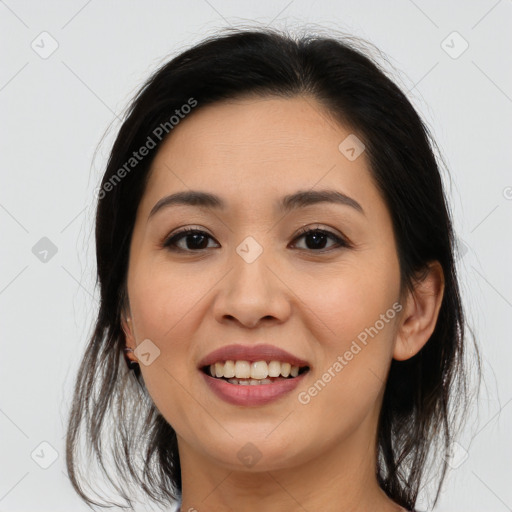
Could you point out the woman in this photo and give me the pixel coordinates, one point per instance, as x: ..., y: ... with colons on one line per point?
x: 276, y: 261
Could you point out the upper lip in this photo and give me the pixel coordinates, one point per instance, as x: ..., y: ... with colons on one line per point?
x: 251, y: 353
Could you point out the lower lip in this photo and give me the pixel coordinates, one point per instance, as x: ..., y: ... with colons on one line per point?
x: 259, y: 394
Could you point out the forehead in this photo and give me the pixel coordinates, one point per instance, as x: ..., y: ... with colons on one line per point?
x: 255, y: 147
x: 257, y: 127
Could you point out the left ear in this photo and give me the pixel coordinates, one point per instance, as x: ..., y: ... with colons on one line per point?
x: 421, y: 312
x: 126, y: 325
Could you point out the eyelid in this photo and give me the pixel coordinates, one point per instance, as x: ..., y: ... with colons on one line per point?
x: 318, y: 227
x: 180, y: 233
x: 342, y: 240
x: 188, y: 228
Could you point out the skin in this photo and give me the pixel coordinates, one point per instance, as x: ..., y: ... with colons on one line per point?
x: 311, y: 302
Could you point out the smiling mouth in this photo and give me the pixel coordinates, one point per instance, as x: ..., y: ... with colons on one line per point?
x: 255, y: 373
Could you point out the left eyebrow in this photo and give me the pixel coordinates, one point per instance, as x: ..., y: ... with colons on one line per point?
x: 305, y: 198
x: 299, y: 199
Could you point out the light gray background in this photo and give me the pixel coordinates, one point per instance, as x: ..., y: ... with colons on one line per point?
x: 55, y: 110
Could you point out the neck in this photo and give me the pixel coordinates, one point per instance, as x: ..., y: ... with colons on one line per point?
x: 342, y: 479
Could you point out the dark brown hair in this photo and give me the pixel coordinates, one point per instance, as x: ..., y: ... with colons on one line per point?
x: 422, y: 395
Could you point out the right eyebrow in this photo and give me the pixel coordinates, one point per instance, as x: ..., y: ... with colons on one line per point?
x: 192, y: 197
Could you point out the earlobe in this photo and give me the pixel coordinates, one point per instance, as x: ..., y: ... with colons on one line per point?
x: 421, y: 313
x: 130, y: 345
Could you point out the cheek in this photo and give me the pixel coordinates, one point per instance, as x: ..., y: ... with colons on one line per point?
x: 168, y: 306
x: 351, y: 376
x: 164, y: 308
x: 161, y: 299
x: 358, y: 313
x: 349, y: 300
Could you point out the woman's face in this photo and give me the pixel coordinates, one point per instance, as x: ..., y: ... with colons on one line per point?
x: 253, y: 278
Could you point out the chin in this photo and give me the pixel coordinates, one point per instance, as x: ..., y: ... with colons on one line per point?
x: 254, y: 454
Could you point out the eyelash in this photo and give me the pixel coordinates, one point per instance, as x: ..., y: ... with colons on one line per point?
x: 170, y: 242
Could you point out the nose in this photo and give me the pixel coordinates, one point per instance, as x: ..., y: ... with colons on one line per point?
x: 252, y: 294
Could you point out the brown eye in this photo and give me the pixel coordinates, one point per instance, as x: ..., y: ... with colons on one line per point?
x: 316, y: 239
x: 195, y: 240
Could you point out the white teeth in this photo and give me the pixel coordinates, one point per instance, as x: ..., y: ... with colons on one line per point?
x: 219, y: 370
x: 252, y: 382
x: 242, y: 370
x: 257, y: 370
x: 274, y: 369
x: 285, y: 369
x: 229, y: 369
